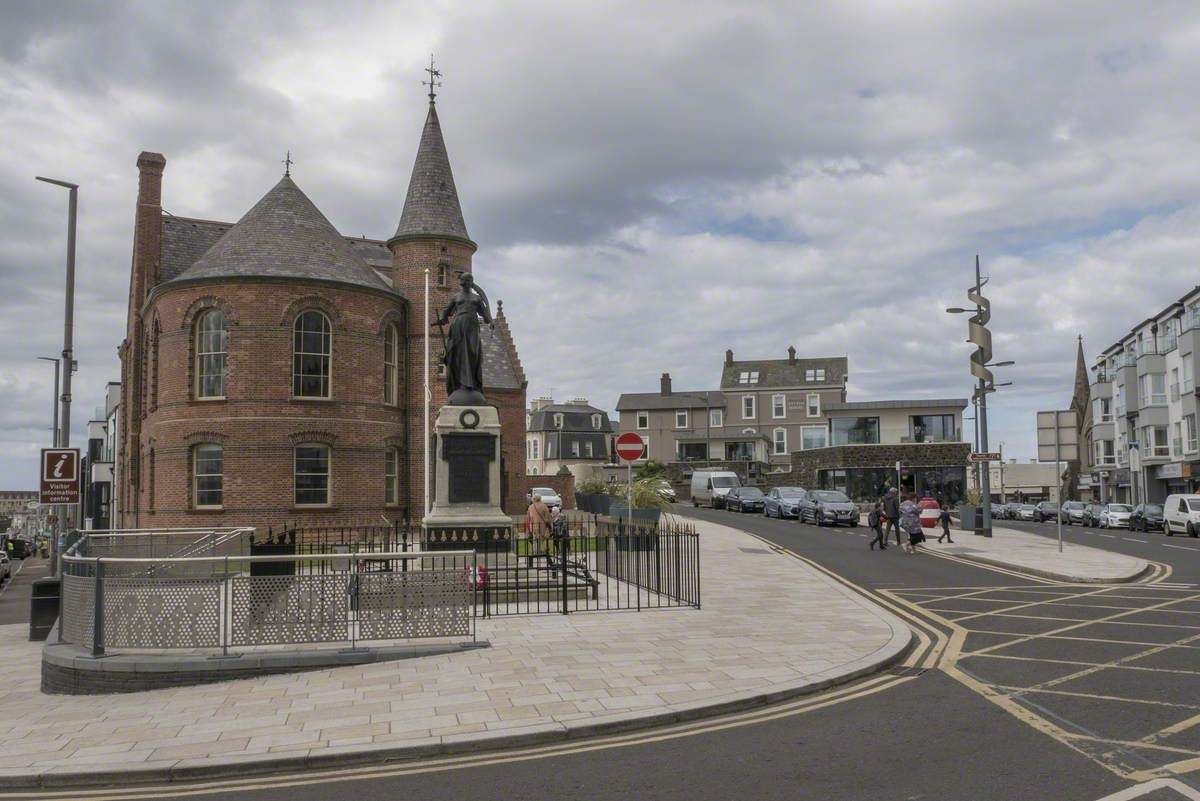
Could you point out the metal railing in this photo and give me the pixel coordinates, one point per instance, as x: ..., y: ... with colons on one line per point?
x: 593, y: 563
x: 232, y: 600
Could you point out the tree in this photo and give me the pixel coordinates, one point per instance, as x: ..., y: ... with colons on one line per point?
x: 651, y: 469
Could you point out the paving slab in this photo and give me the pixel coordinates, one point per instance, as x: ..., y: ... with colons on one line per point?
x: 770, y: 628
x: 1039, y: 556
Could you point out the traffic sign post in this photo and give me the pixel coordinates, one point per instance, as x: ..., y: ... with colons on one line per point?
x: 630, y: 447
x: 1058, y: 439
x: 984, y: 457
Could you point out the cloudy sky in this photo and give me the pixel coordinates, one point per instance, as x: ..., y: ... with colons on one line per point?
x: 649, y: 183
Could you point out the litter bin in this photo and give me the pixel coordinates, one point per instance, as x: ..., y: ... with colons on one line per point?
x: 43, y: 607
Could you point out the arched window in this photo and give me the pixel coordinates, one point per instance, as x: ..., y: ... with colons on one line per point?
x: 212, y: 354
x: 391, y: 477
x: 311, y: 347
x: 208, y: 476
x: 442, y: 275
x: 391, y: 365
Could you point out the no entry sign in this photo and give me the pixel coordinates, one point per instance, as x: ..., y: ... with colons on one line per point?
x: 60, y: 475
x: 630, y: 446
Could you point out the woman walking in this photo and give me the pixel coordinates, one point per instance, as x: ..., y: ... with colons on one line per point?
x: 910, y: 521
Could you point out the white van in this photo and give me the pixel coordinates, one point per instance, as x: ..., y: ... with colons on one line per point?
x: 711, y: 486
x: 1181, y: 514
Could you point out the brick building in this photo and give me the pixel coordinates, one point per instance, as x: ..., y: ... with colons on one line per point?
x: 273, y: 367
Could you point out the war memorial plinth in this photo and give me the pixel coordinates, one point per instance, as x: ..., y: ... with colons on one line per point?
x: 466, y: 510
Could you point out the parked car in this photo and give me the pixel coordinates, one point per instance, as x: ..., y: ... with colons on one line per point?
x: 1091, y: 514
x: 828, y: 506
x: 5, y: 567
x: 665, y: 490
x: 1116, y: 515
x: 710, y: 486
x: 1146, y: 517
x: 549, y: 496
x: 1181, y: 515
x: 1026, y: 511
x: 1047, y: 510
x: 1072, y: 512
x: 783, y: 502
x: 744, y: 499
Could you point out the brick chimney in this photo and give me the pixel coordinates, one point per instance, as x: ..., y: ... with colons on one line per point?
x: 665, y: 384
x: 791, y: 354
x: 729, y: 357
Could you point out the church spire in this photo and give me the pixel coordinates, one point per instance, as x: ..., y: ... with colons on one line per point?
x: 431, y: 209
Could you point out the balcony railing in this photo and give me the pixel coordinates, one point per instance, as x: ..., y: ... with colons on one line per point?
x: 1191, y: 319
x: 1106, y: 461
x: 1177, y: 445
x: 1188, y: 386
x: 1191, y: 446
x: 1169, y: 343
x: 1127, y: 359
x: 1157, y: 451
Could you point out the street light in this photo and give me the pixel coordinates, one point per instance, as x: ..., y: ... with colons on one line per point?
x: 63, y: 434
x: 54, y: 400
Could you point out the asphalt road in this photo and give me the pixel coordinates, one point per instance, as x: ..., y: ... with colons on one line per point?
x: 1092, y: 689
x: 14, y: 594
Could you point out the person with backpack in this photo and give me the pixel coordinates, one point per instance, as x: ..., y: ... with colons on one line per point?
x: 875, y: 521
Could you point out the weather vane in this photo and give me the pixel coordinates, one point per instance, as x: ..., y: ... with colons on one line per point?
x: 287, y: 164
x: 433, y: 82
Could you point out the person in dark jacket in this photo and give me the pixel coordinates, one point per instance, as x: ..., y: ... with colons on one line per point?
x: 891, y: 510
x: 875, y: 521
x: 944, y: 519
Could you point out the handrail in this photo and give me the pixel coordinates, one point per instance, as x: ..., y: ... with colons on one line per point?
x: 367, y: 555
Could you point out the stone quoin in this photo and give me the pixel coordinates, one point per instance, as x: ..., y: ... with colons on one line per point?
x: 273, y: 367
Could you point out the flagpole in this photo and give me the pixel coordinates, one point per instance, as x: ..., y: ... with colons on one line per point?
x: 428, y: 397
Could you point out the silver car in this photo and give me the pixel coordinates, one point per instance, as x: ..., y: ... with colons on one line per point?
x: 1116, y: 515
x: 549, y: 497
x: 828, y: 506
x: 1026, y: 511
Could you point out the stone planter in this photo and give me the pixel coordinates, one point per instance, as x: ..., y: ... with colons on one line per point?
x: 968, y: 517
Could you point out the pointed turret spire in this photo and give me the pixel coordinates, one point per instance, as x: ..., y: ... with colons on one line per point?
x: 431, y: 208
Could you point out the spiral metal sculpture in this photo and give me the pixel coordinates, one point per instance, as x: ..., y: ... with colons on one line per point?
x: 979, y: 335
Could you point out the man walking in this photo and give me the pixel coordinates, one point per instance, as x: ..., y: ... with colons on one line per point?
x: 875, y: 520
x: 891, y: 510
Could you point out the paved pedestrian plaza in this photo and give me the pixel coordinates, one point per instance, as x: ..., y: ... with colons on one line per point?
x: 770, y: 626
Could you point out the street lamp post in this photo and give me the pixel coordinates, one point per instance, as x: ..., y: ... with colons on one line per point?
x: 981, y: 337
x: 68, y: 358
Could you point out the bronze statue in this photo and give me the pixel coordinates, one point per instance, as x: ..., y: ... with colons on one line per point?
x: 464, y: 349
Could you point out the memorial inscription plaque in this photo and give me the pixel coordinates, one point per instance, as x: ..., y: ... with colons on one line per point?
x: 468, y: 457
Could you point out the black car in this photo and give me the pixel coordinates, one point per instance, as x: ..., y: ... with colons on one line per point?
x: 1146, y: 517
x: 1091, y: 515
x: 745, y: 499
x: 828, y: 506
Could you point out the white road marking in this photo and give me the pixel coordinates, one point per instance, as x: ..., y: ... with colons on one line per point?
x: 1110, y: 536
x: 1145, y: 788
x: 1180, y: 547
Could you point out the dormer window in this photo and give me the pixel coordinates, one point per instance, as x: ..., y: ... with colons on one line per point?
x: 558, y: 421
x: 596, y: 421
x: 748, y: 377
x: 814, y: 374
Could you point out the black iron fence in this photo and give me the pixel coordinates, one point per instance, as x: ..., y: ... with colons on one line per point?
x: 583, y: 563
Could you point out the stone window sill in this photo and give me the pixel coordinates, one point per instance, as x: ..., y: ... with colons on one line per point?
x: 307, y: 399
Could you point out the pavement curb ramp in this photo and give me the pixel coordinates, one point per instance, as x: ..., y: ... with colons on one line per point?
x: 1050, y: 574
x: 898, y: 646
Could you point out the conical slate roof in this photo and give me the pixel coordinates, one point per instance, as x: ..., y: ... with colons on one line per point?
x: 284, y: 236
x: 431, y: 207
